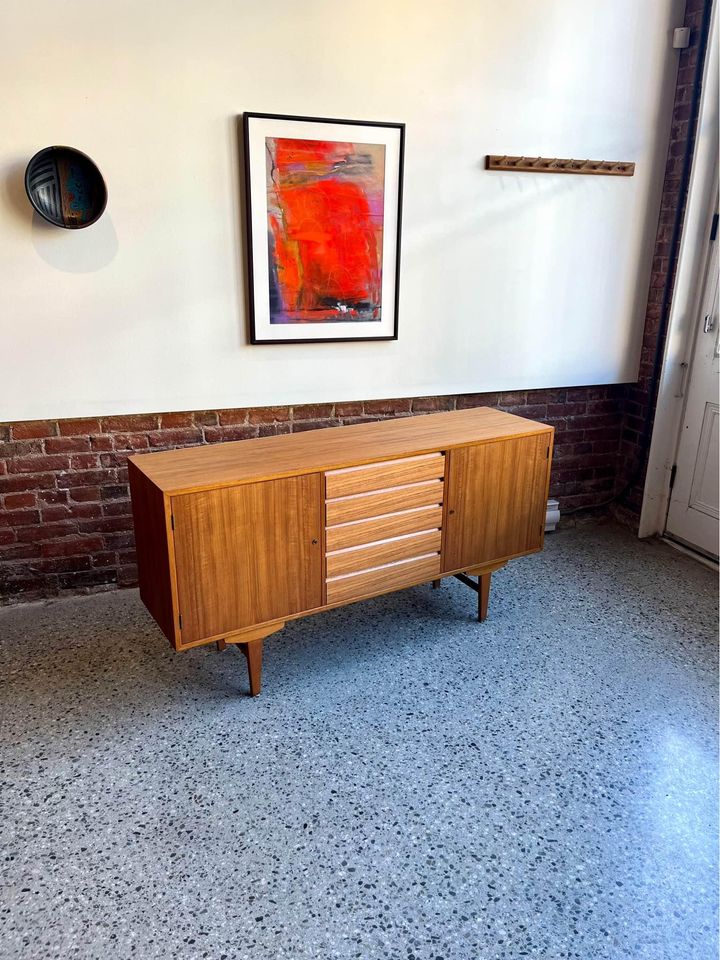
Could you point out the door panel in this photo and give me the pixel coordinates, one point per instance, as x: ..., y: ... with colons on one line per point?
x: 695, y: 498
x: 247, y: 554
x: 496, y: 497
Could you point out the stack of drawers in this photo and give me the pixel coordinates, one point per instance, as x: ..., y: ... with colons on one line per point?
x: 383, y: 526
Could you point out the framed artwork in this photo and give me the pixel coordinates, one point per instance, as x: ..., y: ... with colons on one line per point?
x: 324, y: 201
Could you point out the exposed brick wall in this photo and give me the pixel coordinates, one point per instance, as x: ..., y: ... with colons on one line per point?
x: 641, y: 397
x: 65, y: 522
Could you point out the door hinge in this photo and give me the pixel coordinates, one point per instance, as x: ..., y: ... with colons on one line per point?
x: 673, y: 474
x: 172, y: 521
x: 714, y: 228
x: 180, y: 620
x: 547, y: 453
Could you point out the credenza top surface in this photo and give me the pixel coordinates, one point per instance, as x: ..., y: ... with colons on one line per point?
x: 244, y: 461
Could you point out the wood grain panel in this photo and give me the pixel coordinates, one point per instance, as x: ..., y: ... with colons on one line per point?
x: 379, y: 476
x: 356, y: 559
x: 384, y: 579
x: 153, y: 554
x: 247, y: 554
x: 364, y: 505
x: 380, y: 528
x: 246, y: 461
x: 496, y: 498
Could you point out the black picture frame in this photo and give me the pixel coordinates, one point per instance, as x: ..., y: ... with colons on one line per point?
x: 251, y: 251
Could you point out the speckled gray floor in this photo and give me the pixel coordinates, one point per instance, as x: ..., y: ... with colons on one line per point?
x: 410, y: 784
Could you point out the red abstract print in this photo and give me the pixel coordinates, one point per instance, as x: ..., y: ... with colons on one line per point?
x: 325, y: 230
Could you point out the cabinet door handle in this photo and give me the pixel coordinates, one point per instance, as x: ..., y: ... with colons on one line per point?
x: 450, y: 512
x: 315, y: 542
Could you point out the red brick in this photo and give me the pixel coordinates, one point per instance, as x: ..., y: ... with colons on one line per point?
x: 7, y: 536
x: 84, y: 494
x: 316, y: 411
x: 16, y: 501
x: 117, y: 541
x: 242, y: 431
x: 78, y: 428
x: 19, y: 518
x: 176, y: 438
x: 58, y: 511
x: 173, y: 420
x: 33, y: 428
x: 131, y: 441
x: 269, y: 414
x: 49, y: 532
x: 300, y: 426
x: 67, y: 445
x: 116, y: 508
x: 273, y: 429
x: 349, y: 409
x: 230, y: 417
x: 386, y: 407
x: 111, y: 461
x: 206, y: 418
x: 21, y: 448
x: 37, y: 464
x: 130, y: 423
x: 467, y: 401
x: 84, y: 461
x: 115, y: 491
x: 69, y: 546
x: 515, y: 399
x: 20, y: 551
x: 101, y: 444
x: 422, y: 404
x: 105, y: 525
x: 27, y: 481
x: 535, y: 412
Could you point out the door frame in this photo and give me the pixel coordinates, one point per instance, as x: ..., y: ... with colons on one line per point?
x: 692, y: 264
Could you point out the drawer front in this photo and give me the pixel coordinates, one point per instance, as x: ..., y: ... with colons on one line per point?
x: 357, y: 559
x: 365, y: 505
x: 357, y: 532
x: 378, y: 476
x: 391, y: 576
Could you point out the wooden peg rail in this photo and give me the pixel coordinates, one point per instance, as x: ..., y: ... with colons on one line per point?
x: 605, y: 168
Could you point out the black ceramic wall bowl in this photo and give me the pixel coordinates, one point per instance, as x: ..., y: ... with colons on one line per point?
x: 65, y: 187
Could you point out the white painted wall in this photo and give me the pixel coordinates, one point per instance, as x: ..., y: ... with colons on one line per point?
x: 508, y: 280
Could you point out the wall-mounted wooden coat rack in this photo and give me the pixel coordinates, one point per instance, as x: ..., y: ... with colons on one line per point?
x: 606, y: 168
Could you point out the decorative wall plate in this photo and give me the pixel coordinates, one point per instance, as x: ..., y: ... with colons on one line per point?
x: 65, y: 187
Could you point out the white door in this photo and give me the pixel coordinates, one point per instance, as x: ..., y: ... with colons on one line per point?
x: 693, y: 513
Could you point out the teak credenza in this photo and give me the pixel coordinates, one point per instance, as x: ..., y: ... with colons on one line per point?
x: 237, y: 538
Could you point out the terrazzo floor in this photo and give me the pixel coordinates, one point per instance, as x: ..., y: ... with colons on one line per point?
x: 410, y: 785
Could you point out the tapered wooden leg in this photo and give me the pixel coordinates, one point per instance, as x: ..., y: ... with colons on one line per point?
x: 253, y: 652
x: 221, y: 644
x: 436, y: 584
x: 483, y: 595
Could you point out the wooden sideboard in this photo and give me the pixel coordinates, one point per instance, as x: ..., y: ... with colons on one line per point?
x: 235, y: 539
